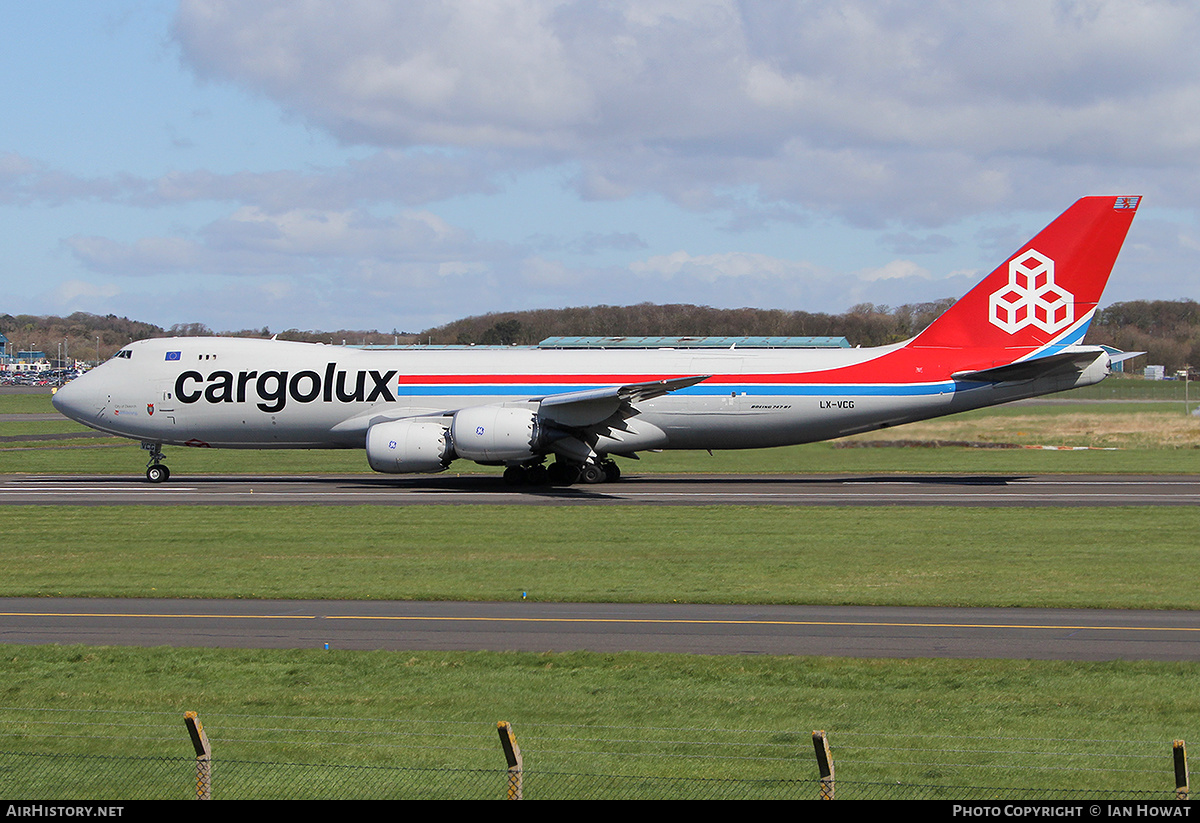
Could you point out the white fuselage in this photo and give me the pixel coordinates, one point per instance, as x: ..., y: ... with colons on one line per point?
x: 247, y: 393
x: 1018, y: 333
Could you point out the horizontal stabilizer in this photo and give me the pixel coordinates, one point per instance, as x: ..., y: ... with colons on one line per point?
x: 1122, y: 356
x: 1056, y: 364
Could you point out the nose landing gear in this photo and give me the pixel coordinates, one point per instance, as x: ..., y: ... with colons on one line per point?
x: 156, y: 469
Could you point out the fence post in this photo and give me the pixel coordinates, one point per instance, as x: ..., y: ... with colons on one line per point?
x: 512, y: 753
x: 824, y: 764
x: 203, y: 755
x: 1181, y: 770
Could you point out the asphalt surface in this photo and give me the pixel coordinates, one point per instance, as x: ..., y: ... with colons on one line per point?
x: 1047, y: 634
x: 661, y: 490
x: 537, y: 627
x: 1052, y: 634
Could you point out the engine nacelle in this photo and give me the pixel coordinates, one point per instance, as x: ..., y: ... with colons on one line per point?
x: 409, y: 446
x: 496, y: 434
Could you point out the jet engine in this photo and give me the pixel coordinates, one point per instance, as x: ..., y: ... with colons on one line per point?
x: 411, y: 445
x: 496, y: 434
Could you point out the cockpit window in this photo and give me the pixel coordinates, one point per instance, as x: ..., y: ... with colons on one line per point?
x: 124, y: 354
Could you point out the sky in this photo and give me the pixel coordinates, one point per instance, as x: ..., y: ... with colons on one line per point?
x: 367, y: 164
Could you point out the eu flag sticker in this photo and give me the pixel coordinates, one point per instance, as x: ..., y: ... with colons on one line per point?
x: 172, y: 355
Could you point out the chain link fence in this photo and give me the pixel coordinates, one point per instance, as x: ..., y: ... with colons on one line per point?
x: 100, y: 756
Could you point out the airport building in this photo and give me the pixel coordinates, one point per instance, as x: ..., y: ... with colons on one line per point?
x: 22, y: 362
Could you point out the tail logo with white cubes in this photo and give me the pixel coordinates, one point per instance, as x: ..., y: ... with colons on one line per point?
x: 1031, y: 298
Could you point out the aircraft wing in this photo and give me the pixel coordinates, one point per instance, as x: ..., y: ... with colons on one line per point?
x: 592, y: 406
x: 576, y: 409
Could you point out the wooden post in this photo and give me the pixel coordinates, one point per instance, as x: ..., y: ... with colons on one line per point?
x: 824, y: 764
x: 512, y: 753
x: 1181, y: 770
x: 203, y: 755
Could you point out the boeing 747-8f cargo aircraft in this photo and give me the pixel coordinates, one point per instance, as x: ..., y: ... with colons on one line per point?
x: 1017, y: 334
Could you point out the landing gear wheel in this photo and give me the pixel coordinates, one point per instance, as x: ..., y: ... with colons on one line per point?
x: 592, y: 473
x: 528, y: 475
x: 562, y: 473
x: 156, y: 469
x: 612, y: 472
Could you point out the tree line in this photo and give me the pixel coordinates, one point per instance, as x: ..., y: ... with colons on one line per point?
x: 1168, y: 330
x: 864, y: 324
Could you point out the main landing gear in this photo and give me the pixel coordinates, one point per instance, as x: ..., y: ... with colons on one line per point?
x: 156, y: 469
x: 562, y: 473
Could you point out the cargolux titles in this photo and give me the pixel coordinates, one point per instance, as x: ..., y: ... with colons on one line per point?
x: 273, y: 388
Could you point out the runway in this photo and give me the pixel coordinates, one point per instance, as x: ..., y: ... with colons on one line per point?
x: 657, y: 490
x: 538, y: 627
x: 1045, y: 634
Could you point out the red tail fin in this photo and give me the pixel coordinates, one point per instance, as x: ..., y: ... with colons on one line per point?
x: 1047, y: 291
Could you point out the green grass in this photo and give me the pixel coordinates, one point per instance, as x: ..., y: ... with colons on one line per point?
x: 954, y: 722
x: 1149, y: 437
x: 117, y: 456
x: 12, y: 402
x: 891, y: 722
x: 28, y: 427
x: 1109, y: 557
x: 1135, y: 388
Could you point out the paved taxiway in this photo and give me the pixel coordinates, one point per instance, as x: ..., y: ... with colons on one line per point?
x: 1048, y: 634
x: 672, y: 490
x: 848, y: 631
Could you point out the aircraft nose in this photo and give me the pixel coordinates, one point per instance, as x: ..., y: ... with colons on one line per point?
x: 77, y: 399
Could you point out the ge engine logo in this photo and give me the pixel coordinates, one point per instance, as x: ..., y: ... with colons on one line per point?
x: 1031, y: 298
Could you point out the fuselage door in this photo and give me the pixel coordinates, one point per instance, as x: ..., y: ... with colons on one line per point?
x: 164, y: 403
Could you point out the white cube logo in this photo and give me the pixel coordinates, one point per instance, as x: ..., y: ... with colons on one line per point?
x: 1031, y: 297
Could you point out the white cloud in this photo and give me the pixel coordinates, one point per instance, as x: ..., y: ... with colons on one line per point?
x: 895, y: 270
x: 466, y: 73
x: 76, y: 292
x: 251, y: 241
x: 148, y: 256
x: 413, y: 178
x: 436, y: 158
x: 542, y: 274
x: 925, y: 110
x: 712, y: 267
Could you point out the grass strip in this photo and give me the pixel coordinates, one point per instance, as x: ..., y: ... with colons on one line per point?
x: 1049, y: 557
x: 1149, y: 438
x: 116, y: 456
x: 1034, y: 724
